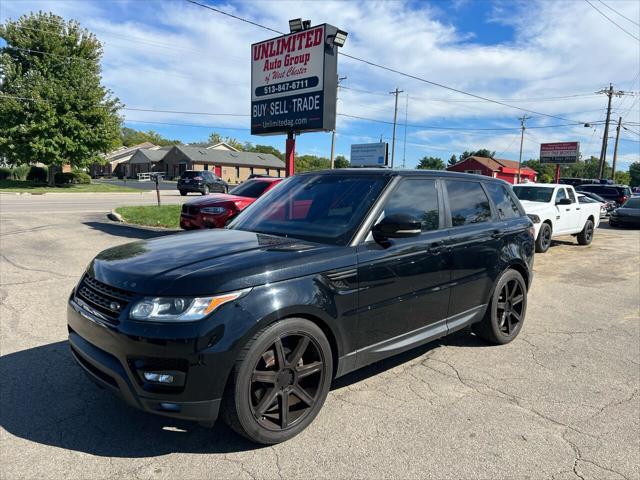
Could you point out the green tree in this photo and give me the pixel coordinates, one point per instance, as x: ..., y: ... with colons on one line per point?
x: 250, y: 147
x: 634, y: 174
x: 217, y: 138
x: 483, y: 152
x: 623, y: 178
x: 452, y: 161
x: 340, y: 161
x: 55, y: 110
x: 130, y: 137
x: 546, y: 172
x: 431, y: 163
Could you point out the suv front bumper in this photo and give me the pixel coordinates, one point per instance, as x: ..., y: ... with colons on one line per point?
x: 115, y: 361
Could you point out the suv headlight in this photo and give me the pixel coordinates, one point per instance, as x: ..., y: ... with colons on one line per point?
x: 181, y: 309
x: 534, y: 218
x: 213, y: 210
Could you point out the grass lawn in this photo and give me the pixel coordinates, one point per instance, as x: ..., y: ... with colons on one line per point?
x: 167, y: 216
x: 23, y: 186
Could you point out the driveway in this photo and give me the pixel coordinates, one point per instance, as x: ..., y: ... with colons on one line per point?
x: 559, y: 402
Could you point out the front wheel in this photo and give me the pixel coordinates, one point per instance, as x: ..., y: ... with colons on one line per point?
x: 506, y: 311
x: 205, y: 190
x: 279, y: 382
x: 183, y: 193
x: 586, y: 235
x: 543, y: 242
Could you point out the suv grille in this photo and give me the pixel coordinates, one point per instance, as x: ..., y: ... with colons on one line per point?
x: 108, y: 301
x: 189, y: 210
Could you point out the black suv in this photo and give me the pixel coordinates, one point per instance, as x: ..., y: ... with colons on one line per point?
x: 614, y: 193
x: 329, y: 272
x: 201, y: 181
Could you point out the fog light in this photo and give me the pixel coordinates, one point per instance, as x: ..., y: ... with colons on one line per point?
x: 158, y: 377
x: 170, y: 406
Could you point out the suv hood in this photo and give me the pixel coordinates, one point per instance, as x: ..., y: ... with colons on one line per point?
x: 212, y: 261
x: 217, y: 198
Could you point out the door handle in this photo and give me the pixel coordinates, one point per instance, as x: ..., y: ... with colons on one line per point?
x: 567, y: 209
x: 496, y: 234
x: 435, y: 247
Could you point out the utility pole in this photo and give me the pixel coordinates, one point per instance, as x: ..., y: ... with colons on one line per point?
x: 404, y: 147
x: 523, y: 119
x: 615, y: 150
x: 605, y: 138
x: 396, y: 92
x: 333, y: 133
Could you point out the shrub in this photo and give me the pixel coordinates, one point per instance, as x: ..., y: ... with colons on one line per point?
x: 37, y: 175
x: 72, y: 178
x: 5, y: 172
x: 20, y: 172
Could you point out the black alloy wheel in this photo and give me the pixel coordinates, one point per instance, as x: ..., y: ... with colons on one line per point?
x: 543, y: 242
x: 205, y: 190
x: 506, y: 310
x: 279, y: 382
x: 586, y: 235
x: 286, y: 381
x: 510, y: 306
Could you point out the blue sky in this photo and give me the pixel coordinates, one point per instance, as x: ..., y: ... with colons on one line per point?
x: 172, y: 55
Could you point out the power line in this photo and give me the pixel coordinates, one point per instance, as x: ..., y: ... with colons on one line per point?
x: 392, y: 70
x: 615, y: 11
x: 605, y: 16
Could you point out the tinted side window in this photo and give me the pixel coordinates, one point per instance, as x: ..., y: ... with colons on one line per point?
x: 571, y: 195
x: 418, y: 198
x: 468, y: 203
x: 505, y: 205
x: 561, y: 194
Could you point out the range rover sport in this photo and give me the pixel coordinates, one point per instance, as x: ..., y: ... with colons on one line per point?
x: 327, y: 273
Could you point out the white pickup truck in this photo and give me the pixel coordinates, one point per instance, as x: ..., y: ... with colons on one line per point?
x: 555, y: 210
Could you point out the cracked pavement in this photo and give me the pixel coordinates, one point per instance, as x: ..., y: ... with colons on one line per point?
x: 560, y: 402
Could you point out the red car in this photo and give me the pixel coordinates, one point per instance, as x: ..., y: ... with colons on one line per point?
x: 213, y: 211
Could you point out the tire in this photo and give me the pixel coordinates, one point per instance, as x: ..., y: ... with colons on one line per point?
x: 183, y: 193
x: 586, y: 235
x: 504, y: 317
x: 543, y: 242
x: 205, y: 190
x: 253, y: 405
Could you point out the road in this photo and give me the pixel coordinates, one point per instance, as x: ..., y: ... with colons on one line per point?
x: 80, y: 203
x: 561, y: 401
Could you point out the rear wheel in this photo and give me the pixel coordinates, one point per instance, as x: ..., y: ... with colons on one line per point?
x: 543, y: 242
x: 183, y: 193
x: 279, y: 382
x: 586, y: 235
x: 506, y: 311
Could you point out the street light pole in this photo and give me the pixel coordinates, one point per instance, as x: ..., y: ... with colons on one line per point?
x: 523, y: 119
x: 615, y: 150
x: 333, y: 132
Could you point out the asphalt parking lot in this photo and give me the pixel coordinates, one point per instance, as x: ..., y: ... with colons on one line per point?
x: 559, y: 402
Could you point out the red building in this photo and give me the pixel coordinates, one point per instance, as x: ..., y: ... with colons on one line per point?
x: 506, y: 170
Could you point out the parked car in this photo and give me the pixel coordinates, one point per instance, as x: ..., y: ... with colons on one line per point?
x: 586, y: 199
x: 555, y: 211
x: 214, y: 211
x: 329, y: 272
x: 615, y: 193
x: 575, y: 182
x: 609, y: 205
x: 628, y: 215
x: 201, y: 181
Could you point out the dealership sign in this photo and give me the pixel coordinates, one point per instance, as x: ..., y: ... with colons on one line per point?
x: 369, y: 155
x: 563, y: 152
x: 294, y: 82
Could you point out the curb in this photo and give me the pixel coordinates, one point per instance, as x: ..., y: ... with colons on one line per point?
x: 116, y: 217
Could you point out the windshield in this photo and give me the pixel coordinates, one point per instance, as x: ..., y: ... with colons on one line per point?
x: 533, y: 194
x: 251, y: 188
x: 320, y: 208
x: 632, y: 203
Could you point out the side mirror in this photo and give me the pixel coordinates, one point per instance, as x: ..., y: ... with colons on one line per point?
x: 563, y: 201
x: 399, y: 225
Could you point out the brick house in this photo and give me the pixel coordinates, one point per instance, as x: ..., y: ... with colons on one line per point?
x: 506, y: 170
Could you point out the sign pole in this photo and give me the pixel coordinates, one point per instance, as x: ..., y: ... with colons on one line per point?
x: 557, y: 173
x: 289, y: 157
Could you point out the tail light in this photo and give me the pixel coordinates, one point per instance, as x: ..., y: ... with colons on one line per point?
x: 622, y: 199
